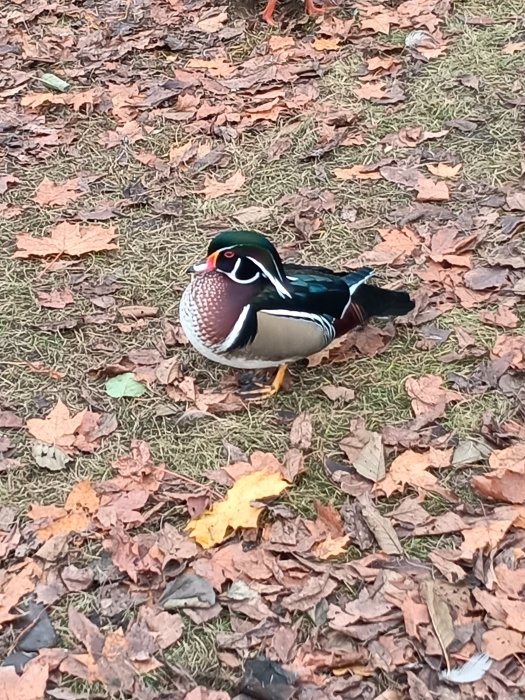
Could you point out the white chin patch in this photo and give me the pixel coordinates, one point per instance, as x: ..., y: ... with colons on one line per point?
x: 200, y: 267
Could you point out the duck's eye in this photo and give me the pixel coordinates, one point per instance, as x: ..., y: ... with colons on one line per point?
x: 229, y: 254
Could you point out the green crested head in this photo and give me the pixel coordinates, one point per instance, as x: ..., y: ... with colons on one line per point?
x: 246, y: 256
x: 233, y: 238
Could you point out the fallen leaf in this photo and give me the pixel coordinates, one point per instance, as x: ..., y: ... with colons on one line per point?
x: 330, y: 44
x: 410, y: 469
x: 331, y: 547
x: 440, y: 616
x: 301, y: 432
x: 370, y: 462
x: 57, y: 299
x: 236, y: 510
x: 67, y: 239
x: 499, y: 643
x: 429, y: 396
x: 513, y: 47
x: 53, y: 194
x: 511, y: 346
x: 444, y: 170
x: 213, y: 188
x: 124, y: 385
x: 6, y: 180
x: 15, y: 586
x: 30, y: 685
x: 336, y: 393
x: 381, y: 527
x: 8, y: 419
x: 481, y: 278
x: 485, y: 533
x: 430, y: 191
x: 58, y: 428
x: 507, y: 486
x: 357, y: 172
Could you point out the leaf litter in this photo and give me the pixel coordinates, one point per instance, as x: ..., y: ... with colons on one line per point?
x: 246, y: 553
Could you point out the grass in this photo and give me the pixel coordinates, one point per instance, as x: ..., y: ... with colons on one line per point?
x: 155, y: 251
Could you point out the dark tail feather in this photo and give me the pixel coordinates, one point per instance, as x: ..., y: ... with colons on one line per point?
x: 382, y: 302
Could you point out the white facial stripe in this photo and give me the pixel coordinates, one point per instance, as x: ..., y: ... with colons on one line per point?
x: 234, y: 333
x: 281, y: 289
x: 233, y: 274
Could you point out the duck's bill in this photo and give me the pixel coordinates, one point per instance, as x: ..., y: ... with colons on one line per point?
x: 206, y: 265
x: 199, y: 267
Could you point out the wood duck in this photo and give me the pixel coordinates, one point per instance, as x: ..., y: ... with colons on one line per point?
x: 246, y: 309
x: 309, y: 7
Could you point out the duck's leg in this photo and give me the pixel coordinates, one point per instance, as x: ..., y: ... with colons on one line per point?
x: 267, y: 15
x: 264, y: 392
x: 311, y: 9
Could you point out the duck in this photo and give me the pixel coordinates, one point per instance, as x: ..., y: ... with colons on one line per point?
x: 246, y: 309
x: 309, y: 7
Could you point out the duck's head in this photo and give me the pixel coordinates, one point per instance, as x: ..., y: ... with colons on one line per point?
x: 245, y: 257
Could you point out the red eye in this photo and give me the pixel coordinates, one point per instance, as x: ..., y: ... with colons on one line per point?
x: 229, y: 254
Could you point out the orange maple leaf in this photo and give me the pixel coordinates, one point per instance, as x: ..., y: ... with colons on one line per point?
x: 66, y: 239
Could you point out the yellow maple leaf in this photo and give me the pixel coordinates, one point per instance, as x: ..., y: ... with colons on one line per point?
x: 236, y: 510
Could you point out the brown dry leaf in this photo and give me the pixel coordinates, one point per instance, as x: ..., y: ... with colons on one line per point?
x: 444, y: 170
x: 307, y: 596
x: 301, y: 432
x: 429, y: 396
x: 381, y: 527
x: 512, y: 458
x: 370, y: 462
x: 357, y: 172
x: 331, y: 44
x: 499, y: 643
x: 410, y: 469
x: 15, y: 585
x: 336, y: 393
x: 213, y: 188
x: 430, y: 191
x: 511, y: 346
x: 440, y: 616
x: 331, y: 547
x: 507, y: 486
x: 9, y: 419
x: 58, y: 428
x: 513, y: 47
x: 396, y: 246
x: 57, y: 299
x: 485, y: 533
x: 67, y: 239
x: 217, y: 67
x: 236, y: 510
x: 30, y: 685
x: 81, y: 505
x: 504, y: 317
x: 57, y: 194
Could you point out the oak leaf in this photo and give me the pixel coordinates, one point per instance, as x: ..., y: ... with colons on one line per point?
x: 67, y: 239
x: 236, y: 510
